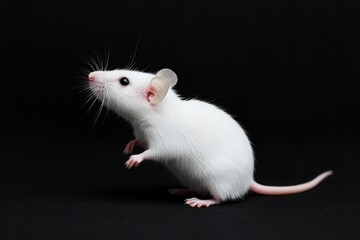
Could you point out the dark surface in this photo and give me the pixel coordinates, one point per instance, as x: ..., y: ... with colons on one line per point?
x: 288, y: 71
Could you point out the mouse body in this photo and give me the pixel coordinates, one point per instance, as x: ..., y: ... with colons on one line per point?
x: 201, y: 144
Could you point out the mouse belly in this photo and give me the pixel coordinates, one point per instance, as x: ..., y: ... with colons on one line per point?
x: 217, y: 178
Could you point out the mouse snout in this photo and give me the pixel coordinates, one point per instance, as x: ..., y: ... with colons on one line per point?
x: 92, y: 77
x: 97, y: 77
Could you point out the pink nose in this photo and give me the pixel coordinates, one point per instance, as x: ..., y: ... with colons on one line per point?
x: 91, y: 76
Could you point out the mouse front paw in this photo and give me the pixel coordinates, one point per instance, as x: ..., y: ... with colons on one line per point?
x: 134, y: 161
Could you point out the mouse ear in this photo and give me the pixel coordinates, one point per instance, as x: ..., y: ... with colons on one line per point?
x: 157, y: 89
x: 169, y: 74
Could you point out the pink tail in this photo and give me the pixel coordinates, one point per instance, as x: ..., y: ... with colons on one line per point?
x: 272, y: 190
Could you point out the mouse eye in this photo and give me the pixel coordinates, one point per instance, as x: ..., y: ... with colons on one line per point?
x: 124, y: 81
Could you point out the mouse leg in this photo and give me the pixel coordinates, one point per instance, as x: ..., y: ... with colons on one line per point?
x: 131, y: 145
x: 180, y: 191
x: 195, y: 202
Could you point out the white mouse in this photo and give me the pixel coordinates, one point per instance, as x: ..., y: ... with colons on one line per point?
x: 202, y: 145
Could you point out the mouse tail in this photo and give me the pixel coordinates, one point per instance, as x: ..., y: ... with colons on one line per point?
x: 274, y: 190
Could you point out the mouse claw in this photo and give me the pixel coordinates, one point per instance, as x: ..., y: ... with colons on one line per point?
x: 134, y: 161
x: 126, y: 165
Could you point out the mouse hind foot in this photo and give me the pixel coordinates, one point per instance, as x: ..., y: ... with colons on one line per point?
x: 195, y: 202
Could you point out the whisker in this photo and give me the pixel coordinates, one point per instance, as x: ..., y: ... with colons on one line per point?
x: 144, y: 69
x: 89, y: 97
x: 107, y: 104
x: 84, y: 70
x: 107, y: 55
x: 131, y: 62
x: 92, y: 104
x: 98, y: 59
x: 96, y: 64
x: 81, y: 89
x: 132, y: 67
x: 89, y: 63
x: 99, y: 111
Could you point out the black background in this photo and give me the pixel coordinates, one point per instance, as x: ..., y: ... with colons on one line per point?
x: 287, y: 71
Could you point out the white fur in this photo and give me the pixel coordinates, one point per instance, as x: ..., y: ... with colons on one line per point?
x: 203, y: 146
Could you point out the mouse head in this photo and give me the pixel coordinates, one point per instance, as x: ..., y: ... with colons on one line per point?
x: 131, y: 93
